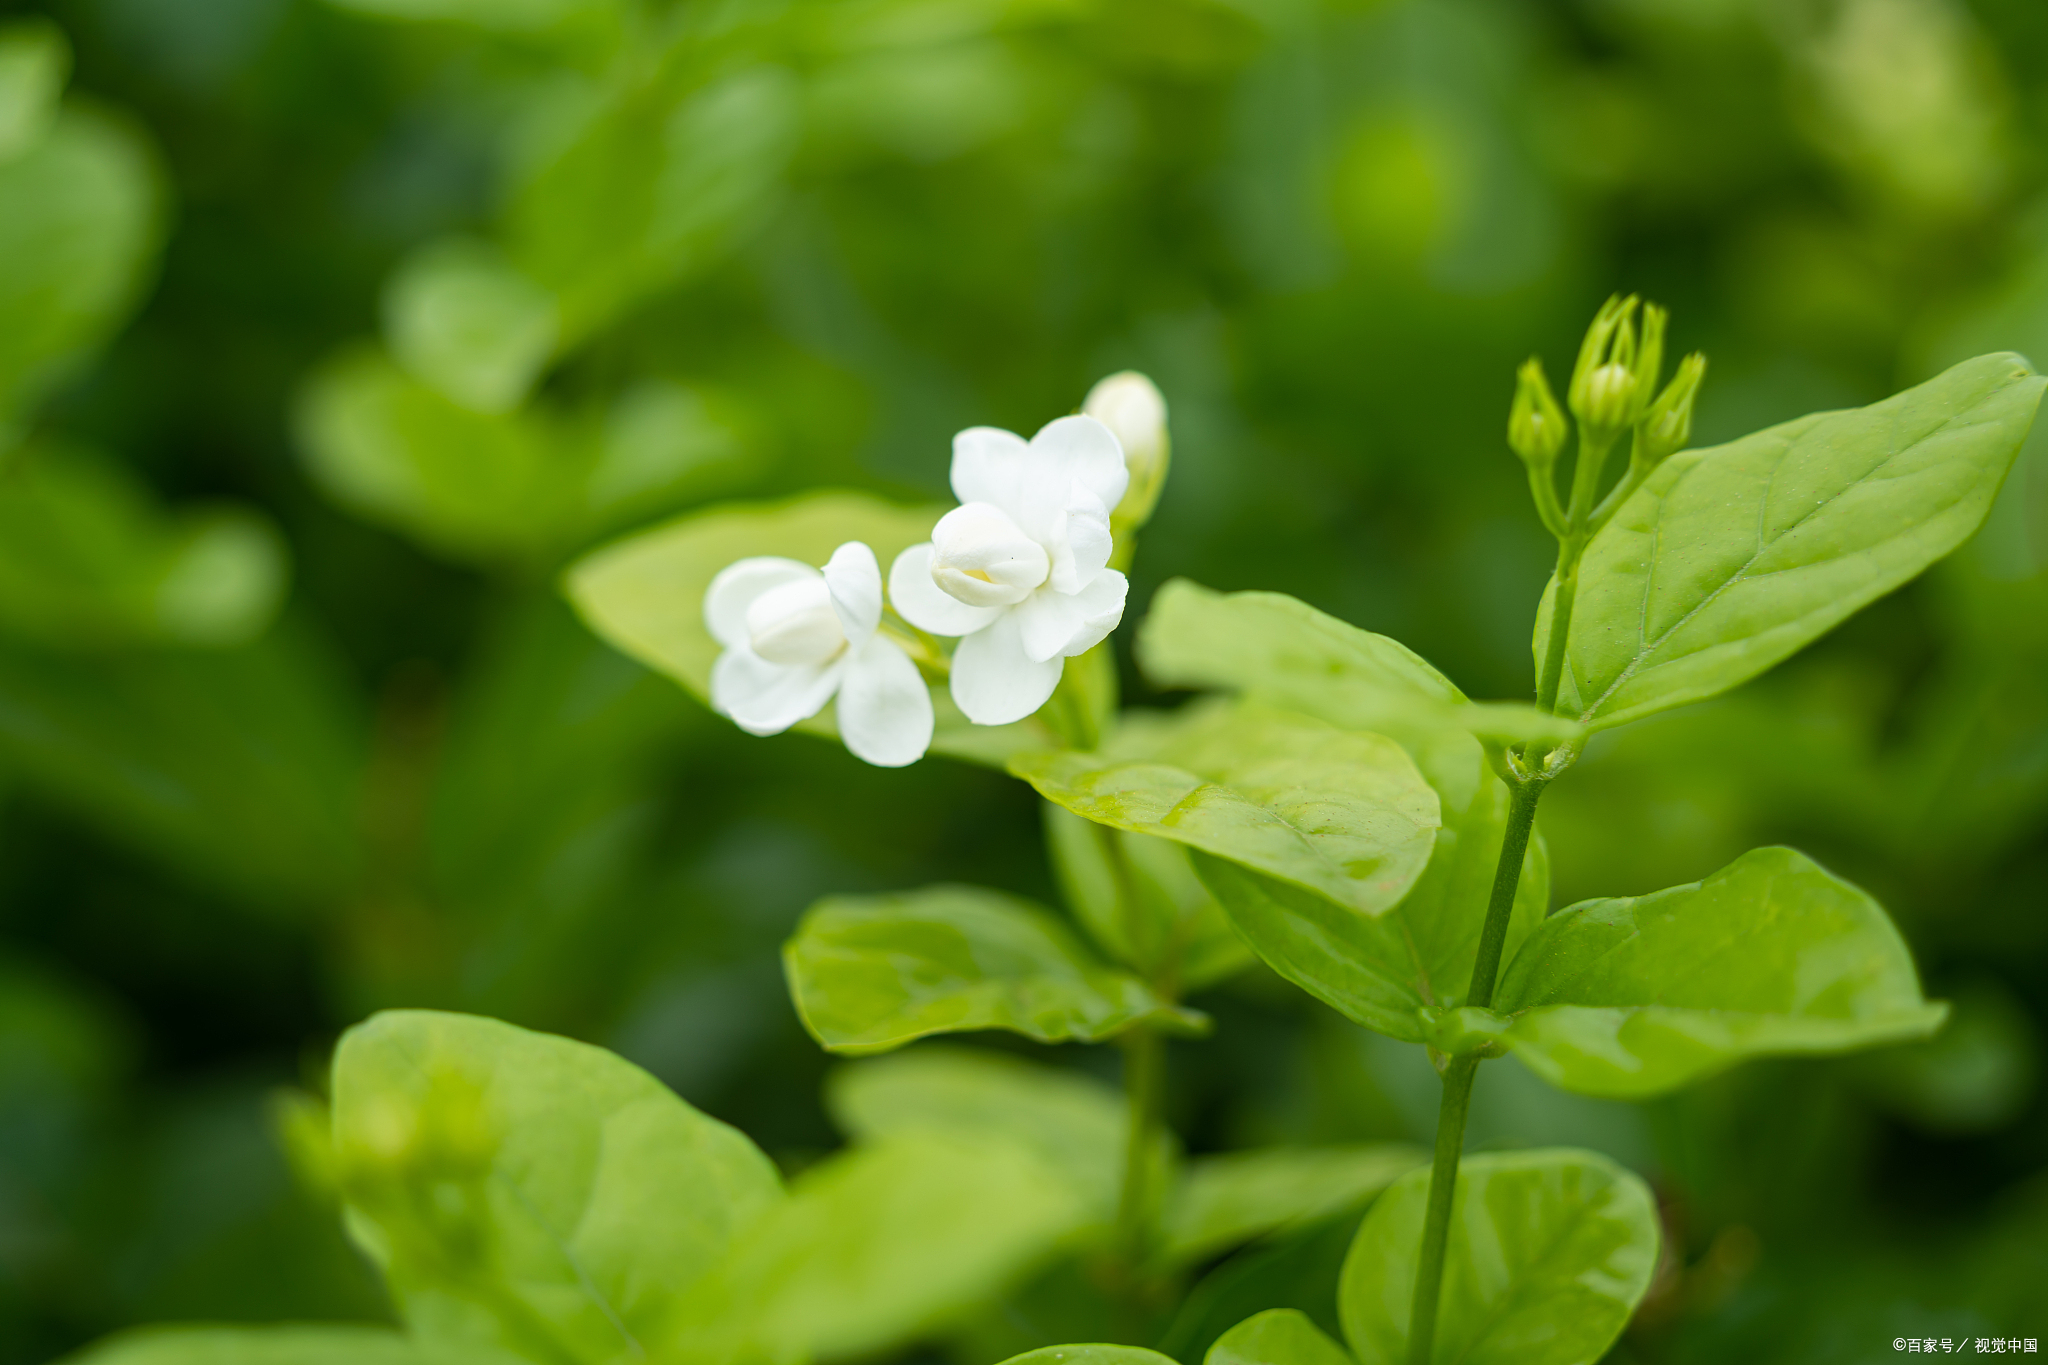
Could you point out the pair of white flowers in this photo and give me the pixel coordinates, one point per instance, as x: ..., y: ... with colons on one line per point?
x: 1019, y: 572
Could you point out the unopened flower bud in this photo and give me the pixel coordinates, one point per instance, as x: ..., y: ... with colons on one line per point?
x: 1649, y: 358
x: 1667, y: 425
x: 1536, y: 425
x: 1131, y: 406
x: 1604, y: 392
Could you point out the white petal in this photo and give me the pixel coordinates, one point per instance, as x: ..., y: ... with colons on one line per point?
x: 920, y: 601
x: 994, y: 682
x: 1053, y: 624
x: 766, y: 698
x: 1081, y: 450
x: 989, y: 465
x: 885, y: 710
x: 794, y: 623
x: 1081, y: 541
x: 1130, y: 405
x: 734, y: 590
x: 982, y: 558
x: 856, y: 583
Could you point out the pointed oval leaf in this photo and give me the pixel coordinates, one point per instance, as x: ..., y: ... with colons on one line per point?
x: 1772, y: 954
x: 870, y: 973
x: 1278, y: 1336
x: 644, y: 594
x: 1275, y: 648
x: 503, y: 1178
x: 1343, y: 815
x: 1091, y: 1354
x: 1550, y: 1251
x: 875, y: 1246
x: 1226, y: 1200
x: 1380, y: 972
x: 337, y: 1345
x: 461, y: 319
x: 1731, y: 558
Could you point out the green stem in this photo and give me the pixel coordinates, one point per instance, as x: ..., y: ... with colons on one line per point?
x: 1436, y: 1225
x: 1458, y: 1076
x: 1560, y: 625
x: 1144, y: 1095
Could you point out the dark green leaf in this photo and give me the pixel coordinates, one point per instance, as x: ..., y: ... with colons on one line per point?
x: 1550, y: 1251
x: 1772, y: 954
x: 1731, y: 558
x: 870, y: 973
x: 1342, y: 815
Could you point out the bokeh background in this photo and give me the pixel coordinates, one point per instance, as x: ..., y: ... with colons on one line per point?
x: 329, y: 332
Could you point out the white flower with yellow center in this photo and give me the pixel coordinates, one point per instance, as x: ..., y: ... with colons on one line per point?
x: 795, y: 637
x: 1020, y: 570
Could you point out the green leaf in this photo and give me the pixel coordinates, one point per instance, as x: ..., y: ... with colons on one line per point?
x: 1094, y: 1354
x: 1772, y: 954
x: 530, y: 1192
x: 1731, y: 558
x: 88, y: 560
x: 1272, y: 647
x: 1380, y: 972
x: 1550, y: 1251
x: 1343, y: 815
x: 240, y: 766
x: 278, y: 1346
x: 1074, y: 1123
x: 507, y: 486
x: 35, y: 59
x: 461, y: 319
x: 1175, y: 929
x: 648, y: 187
x: 870, y: 973
x: 645, y: 594
x: 878, y: 1245
x: 1229, y: 1199
x: 1278, y: 1336
x: 504, y: 16
x: 81, y: 216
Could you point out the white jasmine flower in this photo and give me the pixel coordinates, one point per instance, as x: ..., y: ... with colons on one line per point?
x: 794, y: 637
x: 1020, y: 570
x: 1131, y: 406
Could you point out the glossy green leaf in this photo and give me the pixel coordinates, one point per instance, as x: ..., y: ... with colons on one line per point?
x: 88, y: 560
x: 1731, y: 558
x: 1232, y: 1198
x: 1772, y: 954
x: 869, y: 973
x: 1072, y: 1122
x: 519, y: 1189
x: 1278, y: 1336
x: 1550, y: 1251
x: 1141, y: 902
x: 81, y: 216
x: 1272, y: 647
x: 648, y: 187
x: 34, y: 61
x: 1380, y: 972
x: 878, y: 1245
x: 645, y: 593
x: 507, y: 486
x: 350, y: 1345
x: 1342, y: 815
x: 241, y: 767
x: 461, y: 319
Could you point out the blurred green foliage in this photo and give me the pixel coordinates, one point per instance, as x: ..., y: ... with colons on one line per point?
x: 329, y: 332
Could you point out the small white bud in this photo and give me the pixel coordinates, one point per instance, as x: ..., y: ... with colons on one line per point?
x: 981, y: 557
x: 1131, y: 406
x: 1610, y: 395
x: 795, y: 624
